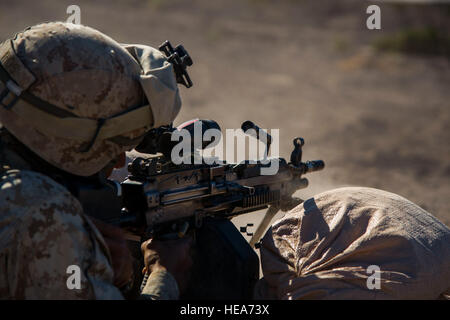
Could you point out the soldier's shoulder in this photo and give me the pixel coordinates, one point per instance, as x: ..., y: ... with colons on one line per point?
x: 23, y: 190
x: 43, y: 222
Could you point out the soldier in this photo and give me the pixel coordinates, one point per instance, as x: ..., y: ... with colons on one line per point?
x: 72, y: 101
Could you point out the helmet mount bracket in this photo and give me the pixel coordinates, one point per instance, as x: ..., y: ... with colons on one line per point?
x: 180, y: 60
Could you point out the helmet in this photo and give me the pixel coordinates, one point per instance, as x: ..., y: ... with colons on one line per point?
x: 77, y: 98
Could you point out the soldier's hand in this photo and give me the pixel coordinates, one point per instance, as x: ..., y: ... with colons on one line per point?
x: 169, y: 255
x: 122, y: 260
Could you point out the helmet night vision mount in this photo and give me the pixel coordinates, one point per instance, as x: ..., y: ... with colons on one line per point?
x: 180, y: 60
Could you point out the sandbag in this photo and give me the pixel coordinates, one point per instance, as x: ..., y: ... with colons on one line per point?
x: 330, y: 247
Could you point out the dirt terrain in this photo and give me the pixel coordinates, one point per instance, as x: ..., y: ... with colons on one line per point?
x: 377, y: 119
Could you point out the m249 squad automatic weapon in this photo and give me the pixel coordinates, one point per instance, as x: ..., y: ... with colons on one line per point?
x: 164, y: 200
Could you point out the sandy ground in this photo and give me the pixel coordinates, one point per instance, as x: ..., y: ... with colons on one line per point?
x: 306, y: 67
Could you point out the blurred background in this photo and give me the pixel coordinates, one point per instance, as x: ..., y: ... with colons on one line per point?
x: 373, y: 104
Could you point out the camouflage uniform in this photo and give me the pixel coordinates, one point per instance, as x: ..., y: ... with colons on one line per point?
x: 43, y: 231
x: 161, y: 285
x: 76, y: 99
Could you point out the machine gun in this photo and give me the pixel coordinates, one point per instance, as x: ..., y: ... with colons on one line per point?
x: 164, y: 200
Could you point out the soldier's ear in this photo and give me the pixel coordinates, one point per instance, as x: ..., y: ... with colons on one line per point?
x: 116, y: 163
x: 120, y: 161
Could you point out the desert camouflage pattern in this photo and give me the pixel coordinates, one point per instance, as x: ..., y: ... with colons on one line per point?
x: 42, y: 232
x: 160, y: 285
x: 158, y: 82
x: 83, y: 71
